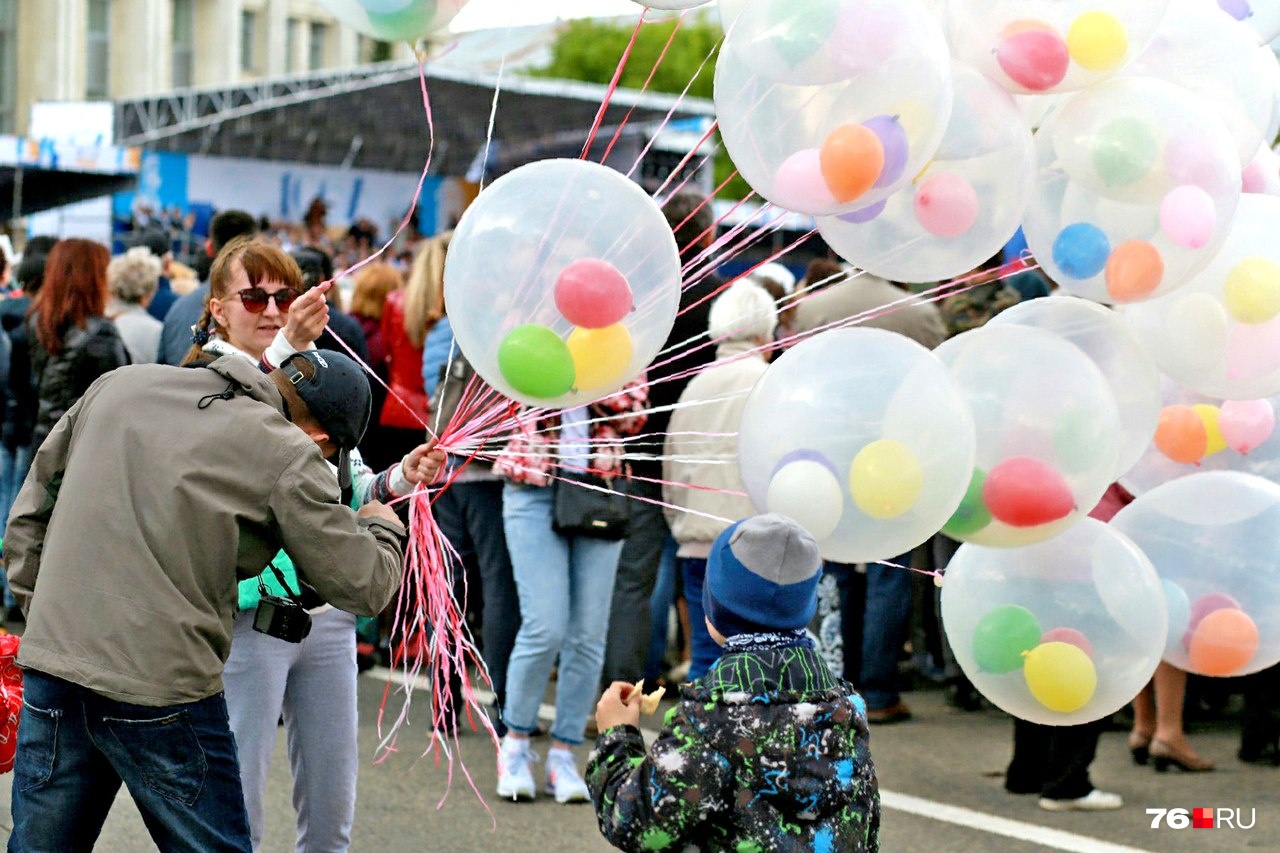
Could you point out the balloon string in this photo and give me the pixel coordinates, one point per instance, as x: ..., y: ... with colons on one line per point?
x: 617, y: 133
x: 613, y: 87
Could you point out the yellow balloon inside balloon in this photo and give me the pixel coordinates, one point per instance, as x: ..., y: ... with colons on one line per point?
x: 1209, y: 415
x: 600, y: 356
x: 1252, y: 291
x: 1097, y: 41
x: 1061, y: 676
x: 885, y: 479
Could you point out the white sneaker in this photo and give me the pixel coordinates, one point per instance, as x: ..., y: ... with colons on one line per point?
x: 563, y: 779
x: 1094, y: 801
x: 515, y: 772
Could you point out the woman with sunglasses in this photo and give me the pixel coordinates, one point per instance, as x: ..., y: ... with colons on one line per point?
x: 74, y: 342
x: 256, y: 309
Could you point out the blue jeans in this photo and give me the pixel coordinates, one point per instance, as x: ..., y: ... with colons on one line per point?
x: 14, y: 463
x: 75, y: 747
x: 704, y: 651
x: 565, y: 586
x: 884, y: 631
x: 660, y: 603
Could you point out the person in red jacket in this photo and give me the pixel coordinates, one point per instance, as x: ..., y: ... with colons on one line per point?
x: 404, y: 413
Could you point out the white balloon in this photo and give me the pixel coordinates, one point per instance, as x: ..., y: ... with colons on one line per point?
x: 808, y: 492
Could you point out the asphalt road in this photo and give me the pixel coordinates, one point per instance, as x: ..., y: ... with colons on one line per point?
x: 939, y: 774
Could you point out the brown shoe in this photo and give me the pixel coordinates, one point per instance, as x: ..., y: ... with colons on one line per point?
x: 893, y: 714
x: 1164, y: 755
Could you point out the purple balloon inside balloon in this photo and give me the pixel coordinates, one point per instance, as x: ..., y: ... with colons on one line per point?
x: 896, y: 148
x: 804, y: 456
x: 865, y: 214
x: 1238, y: 9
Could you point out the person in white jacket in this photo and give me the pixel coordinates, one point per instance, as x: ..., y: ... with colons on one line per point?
x: 701, y: 450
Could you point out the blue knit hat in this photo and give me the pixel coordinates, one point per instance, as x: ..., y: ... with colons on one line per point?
x: 762, y: 576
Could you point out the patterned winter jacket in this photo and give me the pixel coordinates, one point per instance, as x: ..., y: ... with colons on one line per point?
x: 767, y: 753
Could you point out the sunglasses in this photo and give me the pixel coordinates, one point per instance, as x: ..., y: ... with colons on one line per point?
x: 254, y: 299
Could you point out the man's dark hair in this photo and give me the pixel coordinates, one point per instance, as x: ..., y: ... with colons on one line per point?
x: 39, y: 245
x: 316, y: 266
x: 690, y: 228
x: 228, y: 225
x: 156, y: 240
x: 30, y: 272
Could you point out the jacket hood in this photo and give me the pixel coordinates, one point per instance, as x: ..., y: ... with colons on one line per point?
x: 250, y: 379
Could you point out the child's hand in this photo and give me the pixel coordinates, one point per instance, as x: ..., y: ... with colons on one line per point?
x: 423, y: 463
x: 619, y: 706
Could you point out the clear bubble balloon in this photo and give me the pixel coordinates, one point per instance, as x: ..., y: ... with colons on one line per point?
x: 1039, y: 46
x: 672, y: 5
x: 1262, y: 174
x: 1105, y: 338
x: 1204, y: 51
x: 828, y: 106
x: 1137, y: 186
x: 562, y: 283
x: 1196, y: 433
x: 962, y: 208
x: 861, y: 437
x: 1220, y: 334
x: 1060, y: 633
x: 395, y: 20
x: 1048, y: 434
x: 1212, y: 538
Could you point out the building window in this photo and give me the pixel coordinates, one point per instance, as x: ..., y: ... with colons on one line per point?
x: 184, y: 42
x: 248, y: 41
x: 292, y: 34
x: 97, y: 51
x: 317, y: 48
x: 8, y: 63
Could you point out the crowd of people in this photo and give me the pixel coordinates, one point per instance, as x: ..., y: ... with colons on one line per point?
x: 272, y: 329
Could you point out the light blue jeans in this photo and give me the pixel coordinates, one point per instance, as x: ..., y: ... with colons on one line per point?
x: 565, y: 586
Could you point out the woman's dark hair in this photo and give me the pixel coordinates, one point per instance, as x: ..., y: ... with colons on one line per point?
x: 30, y: 272
x: 316, y: 266
x: 75, y: 289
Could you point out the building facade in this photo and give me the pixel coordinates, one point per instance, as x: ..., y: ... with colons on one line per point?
x: 78, y: 50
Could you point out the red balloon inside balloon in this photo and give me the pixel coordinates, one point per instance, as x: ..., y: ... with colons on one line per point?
x: 1025, y: 492
x: 1035, y: 58
x: 593, y: 294
x: 1071, y: 636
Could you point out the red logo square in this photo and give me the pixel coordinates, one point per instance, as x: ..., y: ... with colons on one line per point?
x: 1203, y: 818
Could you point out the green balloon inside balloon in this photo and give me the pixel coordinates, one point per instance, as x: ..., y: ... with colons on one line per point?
x: 798, y: 29
x: 1124, y: 151
x: 1003, y: 637
x: 536, y: 362
x: 972, y: 515
x: 411, y: 23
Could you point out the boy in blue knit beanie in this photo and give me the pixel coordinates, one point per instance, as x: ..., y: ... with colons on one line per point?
x: 766, y: 752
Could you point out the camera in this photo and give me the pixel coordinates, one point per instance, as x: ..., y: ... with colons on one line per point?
x: 282, y: 618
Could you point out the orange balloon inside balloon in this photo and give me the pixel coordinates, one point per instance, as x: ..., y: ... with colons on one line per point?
x: 1223, y: 643
x: 852, y: 158
x: 1181, y: 434
x: 1134, y: 270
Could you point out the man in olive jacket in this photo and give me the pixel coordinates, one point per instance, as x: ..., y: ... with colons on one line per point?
x: 158, y: 491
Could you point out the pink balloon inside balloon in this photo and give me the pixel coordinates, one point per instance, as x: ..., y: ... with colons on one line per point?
x: 1036, y: 59
x: 1188, y: 217
x: 593, y: 294
x: 1025, y: 492
x: 1202, y: 607
x: 1253, y: 351
x: 1070, y: 636
x: 946, y: 205
x: 1246, y: 424
x: 799, y: 184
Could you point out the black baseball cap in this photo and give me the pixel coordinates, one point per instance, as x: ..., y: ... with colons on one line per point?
x: 336, y: 392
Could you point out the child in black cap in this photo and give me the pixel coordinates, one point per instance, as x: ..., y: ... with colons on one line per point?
x: 768, y: 751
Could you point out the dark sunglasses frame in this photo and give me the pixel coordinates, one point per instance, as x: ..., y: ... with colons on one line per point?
x: 254, y: 299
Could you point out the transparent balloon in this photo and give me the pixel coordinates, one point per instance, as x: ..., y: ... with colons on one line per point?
x: 1060, y: 633
x: 395, y: 20
x: 962, y: 208
x: 1262, y: 174
x: 672, y: 5
x: 1204, y: 51
x: 861, y: 437
x: 1038, y: 46
x: 1048, y: 434
x: 1220, y: 334
x: 1212, y: 538
x: 1196, y: 433
x: 1261, y: 16
x: 562, y: 283
x: 1105, y: 338
x: 828, y: 106
x: 1138, y: 183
